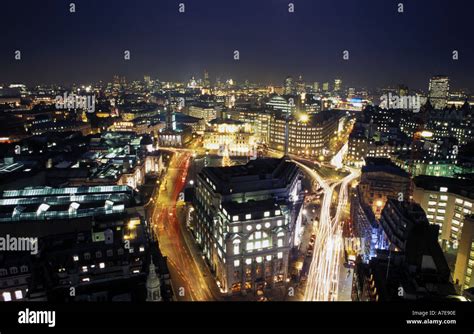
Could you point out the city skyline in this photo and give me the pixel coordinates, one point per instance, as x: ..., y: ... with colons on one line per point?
x: 317, y: 155
x: 385, y: 47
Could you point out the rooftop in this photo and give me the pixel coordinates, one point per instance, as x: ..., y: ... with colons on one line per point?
x: 460, y: 187
x: 374, y: 165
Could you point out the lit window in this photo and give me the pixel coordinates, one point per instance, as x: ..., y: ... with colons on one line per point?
x: 235, y: 218
x: 280, y: 242
x: 102, y: 265
x: 267, y: 225
x: 277, y: 212
x: 280, y: 255
x: 236, y: 263
x: 280, y: 222
x: 266, y: 214
x: 75, y: 258
x: 268, y: 258
x: 249, y: 227
x: 18, y: 294
x: 259, y: 259
x: 248, y: 261
x: 249, y: 246
x: 7, y: 296
x: 248, y: 216
x: 259, y: 227
x: 235, y: 229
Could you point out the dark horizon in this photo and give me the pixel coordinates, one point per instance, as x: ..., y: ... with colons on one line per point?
x: 386, y: 48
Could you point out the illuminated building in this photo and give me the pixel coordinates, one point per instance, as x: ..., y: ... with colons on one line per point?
x: 337, y: 85
x: 380, y: 180
x: 95, y: 238
x: 247, y: 219
x: 316, y: 87
x: 439, y: 91
x: 465, y: 256
x: 366, y: 226
x: 289, y: 86
x: 325, y: 86
x: 61, y: 126
x: 138, y: 125
x: 230, y: 136
x: 360, y: 148
x: 446, y: 201
x: 173, y: 135
x: 130, y: 112
x: 409, y: 264
x: 283, y: 104
x: 206, y: 111
x: 300, y: 85
x: 307, y: 134
x: 259, y: 119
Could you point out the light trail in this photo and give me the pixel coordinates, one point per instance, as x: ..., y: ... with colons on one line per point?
x: 336, y: 160
x: 323, y: 274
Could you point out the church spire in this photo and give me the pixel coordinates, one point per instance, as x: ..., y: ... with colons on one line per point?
x: 153, y: 284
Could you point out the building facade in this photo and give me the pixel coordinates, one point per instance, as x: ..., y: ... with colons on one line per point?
x: 246, y: 220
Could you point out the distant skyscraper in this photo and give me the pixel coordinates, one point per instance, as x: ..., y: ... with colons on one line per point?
x: 300, y: 85
x: 206, y: 82
x: 147, y: 80
x: 325, y: 86
x: 351, y: 93
x: 337, y: 85
x: 316, y: 86
x: 289, y: 86
x: 439, y: 91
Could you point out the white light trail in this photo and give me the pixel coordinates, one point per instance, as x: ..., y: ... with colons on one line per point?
x: 323, y: 274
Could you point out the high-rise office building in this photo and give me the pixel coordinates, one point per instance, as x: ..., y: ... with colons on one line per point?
x: 300, y: 85
x: 337, y: 85
x: 289, y: 86
x: 206, y: 82
x: 439, y: 91
x: 325, y: 86
x: 316, y: 87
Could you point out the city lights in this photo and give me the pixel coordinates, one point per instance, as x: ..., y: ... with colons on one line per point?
x: 239, y: 153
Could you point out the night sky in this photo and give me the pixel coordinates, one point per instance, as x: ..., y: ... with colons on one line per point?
x: 386, y: 48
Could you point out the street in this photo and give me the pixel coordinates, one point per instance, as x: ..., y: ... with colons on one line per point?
x: 191, y: 278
